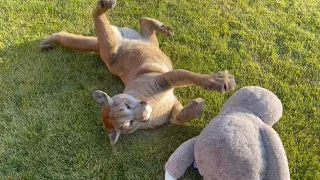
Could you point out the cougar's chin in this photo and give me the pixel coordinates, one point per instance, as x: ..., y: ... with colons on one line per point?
x: 132, y: 128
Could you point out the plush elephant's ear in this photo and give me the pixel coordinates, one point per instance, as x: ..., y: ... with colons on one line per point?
x: 102, y: 98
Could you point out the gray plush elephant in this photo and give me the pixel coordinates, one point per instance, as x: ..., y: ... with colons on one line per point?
x: 239, y: 144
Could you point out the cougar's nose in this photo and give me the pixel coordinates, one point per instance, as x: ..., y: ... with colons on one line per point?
x: 143, y: 103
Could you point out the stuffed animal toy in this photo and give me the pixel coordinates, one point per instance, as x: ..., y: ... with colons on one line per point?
x: 239, y: 144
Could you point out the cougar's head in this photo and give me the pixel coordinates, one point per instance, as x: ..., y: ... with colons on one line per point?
x: 121, y: 113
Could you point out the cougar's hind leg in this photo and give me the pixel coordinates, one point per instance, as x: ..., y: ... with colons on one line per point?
x: 73, y: 41
x: 149, y: 27
x: 107, y: 39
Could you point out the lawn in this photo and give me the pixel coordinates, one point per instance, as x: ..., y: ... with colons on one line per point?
x: 50, y: 126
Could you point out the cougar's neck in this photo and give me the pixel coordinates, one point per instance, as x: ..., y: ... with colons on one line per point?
x: 141, y: 96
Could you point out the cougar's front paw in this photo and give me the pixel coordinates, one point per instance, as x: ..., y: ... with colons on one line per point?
x: 166, y: 30
x: 106, y: 4
x: 221, y: 81
x: 191, y: 111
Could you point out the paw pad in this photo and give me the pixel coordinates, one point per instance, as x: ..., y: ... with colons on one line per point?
x: 166, y: 30
x: 106, y: 4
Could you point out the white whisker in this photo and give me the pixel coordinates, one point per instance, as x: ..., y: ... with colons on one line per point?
x: 152, y: 127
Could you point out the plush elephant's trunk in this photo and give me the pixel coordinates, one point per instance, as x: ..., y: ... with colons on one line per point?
x: 180, y: 160
x: 277, y: 163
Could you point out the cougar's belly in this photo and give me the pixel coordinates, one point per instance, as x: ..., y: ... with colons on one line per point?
x: 138, y: 57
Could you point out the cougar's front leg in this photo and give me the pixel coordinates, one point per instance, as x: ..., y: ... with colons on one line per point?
x: 221, y: 81
x: 181, y: 115
x: 107, y: 40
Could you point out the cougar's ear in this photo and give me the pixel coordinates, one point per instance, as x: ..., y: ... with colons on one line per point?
x: 102, y: 98
x: 114, y: 136
x: 108, y: 125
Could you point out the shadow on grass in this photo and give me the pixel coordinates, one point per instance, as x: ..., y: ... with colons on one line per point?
x: 29, y: 62
x: 53, y: 127
x: 154, y: 147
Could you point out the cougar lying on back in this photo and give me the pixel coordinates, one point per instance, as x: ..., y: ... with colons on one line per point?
x: 148, y: 100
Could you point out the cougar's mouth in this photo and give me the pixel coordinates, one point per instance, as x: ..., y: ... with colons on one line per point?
x: 130, y: 123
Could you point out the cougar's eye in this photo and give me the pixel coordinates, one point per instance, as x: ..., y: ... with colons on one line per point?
x: 127, y: 105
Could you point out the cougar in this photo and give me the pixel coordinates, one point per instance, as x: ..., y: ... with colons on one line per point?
x: 148, y: 100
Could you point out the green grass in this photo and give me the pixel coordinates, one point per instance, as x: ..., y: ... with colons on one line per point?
x: 50, y: 127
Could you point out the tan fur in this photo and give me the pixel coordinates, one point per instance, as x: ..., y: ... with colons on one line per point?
x: 144, y: 69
